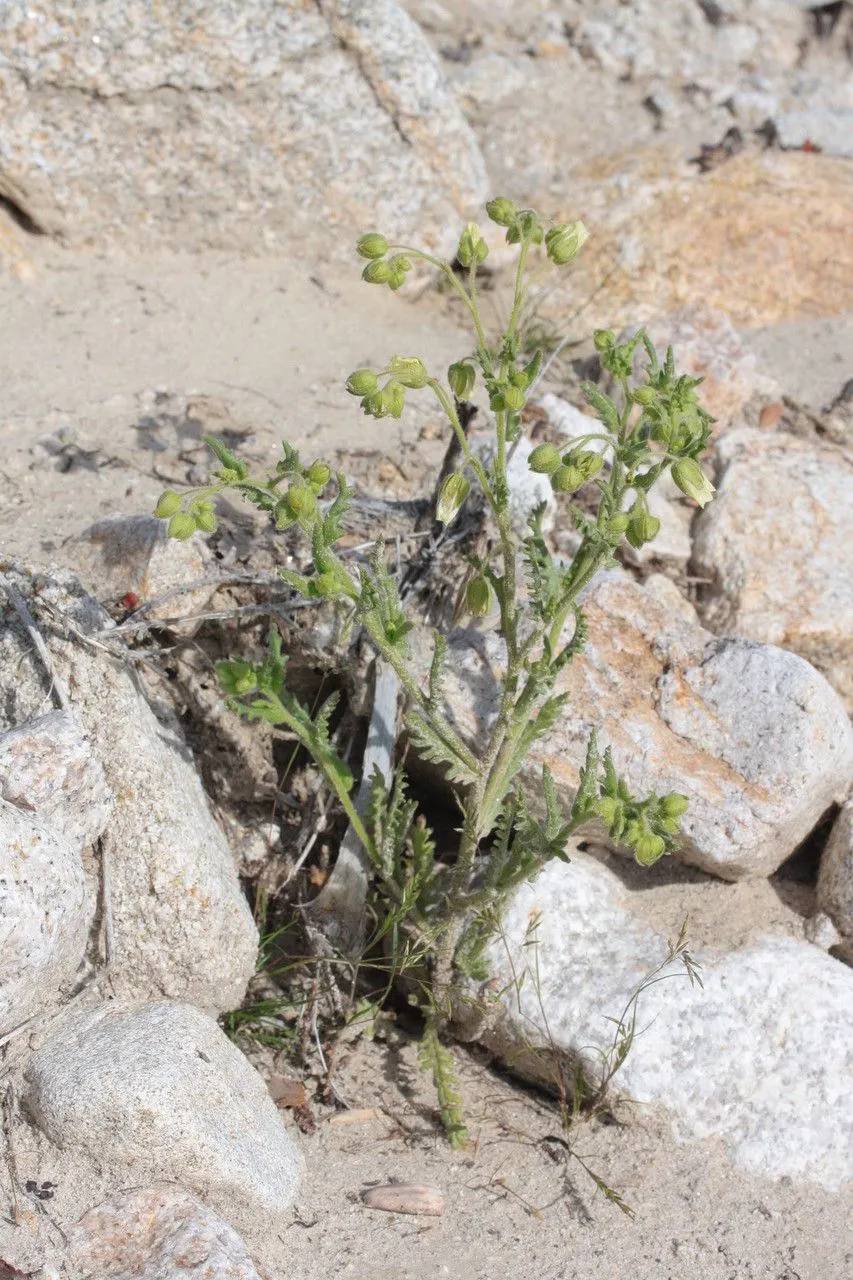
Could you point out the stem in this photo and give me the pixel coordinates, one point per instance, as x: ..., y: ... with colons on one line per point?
x: 374, y: 629
x: 447, y: 271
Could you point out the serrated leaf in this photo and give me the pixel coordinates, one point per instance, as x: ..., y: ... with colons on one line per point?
x: 431, y: 747
x: 436, y: 671
x: 603, y: 405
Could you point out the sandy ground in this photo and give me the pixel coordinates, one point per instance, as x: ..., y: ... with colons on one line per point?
x: 105, y: 353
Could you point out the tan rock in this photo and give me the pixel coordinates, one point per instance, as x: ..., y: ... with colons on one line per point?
x: 764, y: 238
x: 778, y: 540
x: 752, y: 735
x: 158, y: 1233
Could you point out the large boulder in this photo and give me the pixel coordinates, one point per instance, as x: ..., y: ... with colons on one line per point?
x: 753, y: 735
x: 761, y: 1055
x: 256, y: 124
x: 160, y: 1093
x: 43, y: 918
x: 181, y: 924
x: 48, y: 769
x: 778, y: 544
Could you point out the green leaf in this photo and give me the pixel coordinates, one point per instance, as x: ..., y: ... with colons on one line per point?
x: 603, y: 405
x: 229, y: 460
x: 436, y: 671
x: 430, y: 746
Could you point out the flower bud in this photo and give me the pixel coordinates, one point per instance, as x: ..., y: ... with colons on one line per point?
x: 587, y: 461
x: 616, y: 525
x: 393, y: 399
x: 472, y: 248
x: 399, y: 265
x: 648, y: 849
x: 378, y: 272
x: 205, y: 520
x: 453, y: 493
x: 692, y: 481
x: 565, y: 242
x: 181, y: 526
x: 674, y: 804
x: 513, y: 398
x: 501, y: 211
x: 319, y: 475
x: 642, y: 528
x: 604, y: 339
x: 461, y: 378
x: 646, y: 396
x: 410, y: 371
x: 301, y: 501
x: 545, y: 459
x: 478, y: 597
x: 361, y: 383
x: 169, y: 503
x: 373, y: 245
x: 567, y: 479
x: 608, y: 808
x: 374, y: 405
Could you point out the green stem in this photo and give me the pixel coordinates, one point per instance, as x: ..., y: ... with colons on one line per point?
x: 447, y: 270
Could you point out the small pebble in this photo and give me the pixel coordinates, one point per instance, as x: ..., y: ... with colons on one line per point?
x: 404, y: 1197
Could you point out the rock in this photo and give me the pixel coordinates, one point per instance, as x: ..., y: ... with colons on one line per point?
x: 310, y: 121
x: 43, y: 919
x: 47, y: 768
x: 753, y: 735
x: 829, y: 129
x: 122, y: 554
x: 406, y: 1197
x: 761, y: 1057
x: 835, y: 879
x: 774, y: 219
x: 182, y: 925
x: 158, y: 1233
x: 778, y: 542
x: 664, y: 590
x: 158, y: 1091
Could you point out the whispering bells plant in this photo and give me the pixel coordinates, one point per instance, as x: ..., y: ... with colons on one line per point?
x: 437, y: 916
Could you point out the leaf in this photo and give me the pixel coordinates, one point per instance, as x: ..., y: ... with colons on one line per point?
x: 228, y: 459
x: 436, y: 671
x: 430, y: 746
x: 603, y: 405
x: 436, y: 1059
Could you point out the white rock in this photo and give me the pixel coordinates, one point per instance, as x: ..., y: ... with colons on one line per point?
x: 762, y: 1057
x: 572, y: 422
x: 664, y: 590
x: 752, y: 735
x: 778, y: 540
x: 828, y: 128
x: 835, y: 878
x: 527, y: 489
x: 182, y: 925
x: 158, y: 1233
x: 47, y: 768
x: 122, y: 554
x: 43, y: 921
x: 159, y: 1091
x: 310, y: 121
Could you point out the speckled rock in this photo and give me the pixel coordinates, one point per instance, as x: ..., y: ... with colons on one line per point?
x: 829, y: 129
x: 761, y: 1057
x: 835, y: 879
x: 778, y: 542
x: 182, y: 925
x: 47, y: 769
x: 752, y: 735
x: 257, y: 124
x: 159, y: 1091
x: 43, y: 920
x: 121, y: 554
x: 158, y: 1233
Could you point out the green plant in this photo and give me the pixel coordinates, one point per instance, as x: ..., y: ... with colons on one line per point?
x: 434, y: 917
